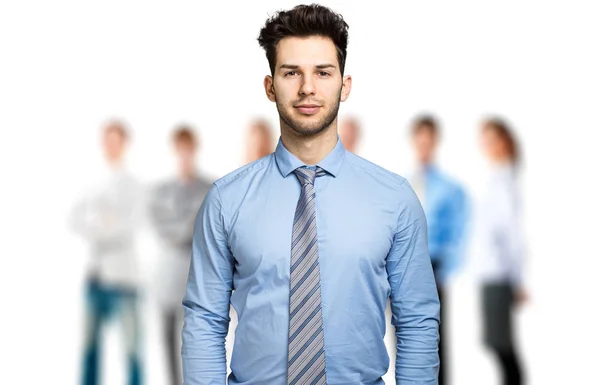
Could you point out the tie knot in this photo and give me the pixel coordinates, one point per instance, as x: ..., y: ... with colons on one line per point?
x: 307, y: 176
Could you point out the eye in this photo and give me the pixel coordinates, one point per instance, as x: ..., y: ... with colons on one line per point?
x: 290, y: 73
x: 324, y: 74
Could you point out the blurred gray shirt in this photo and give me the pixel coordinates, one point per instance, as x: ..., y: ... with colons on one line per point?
x: 173, y: 207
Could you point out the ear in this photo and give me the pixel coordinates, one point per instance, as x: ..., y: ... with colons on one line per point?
x: 269, y: 88
x: 346, y: 87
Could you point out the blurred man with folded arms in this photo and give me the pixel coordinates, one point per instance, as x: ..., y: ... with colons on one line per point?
x: 309, y: 242
x: 173, y: 208
x: 445, y: 206
x: 108, y: 218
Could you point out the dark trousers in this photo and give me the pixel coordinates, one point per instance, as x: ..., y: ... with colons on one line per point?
x: 102, y: 304
x: 172, y: 324
x: 510, y: 366
x: 443, y: 372
x: 498, y: 303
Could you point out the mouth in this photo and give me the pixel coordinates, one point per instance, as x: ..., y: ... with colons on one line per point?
x: 307, y: 109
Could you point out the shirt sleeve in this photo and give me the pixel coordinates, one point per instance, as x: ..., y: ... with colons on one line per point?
x: 207, y: 300
x: 414, y: 300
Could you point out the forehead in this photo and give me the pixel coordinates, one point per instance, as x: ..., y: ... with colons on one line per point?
x: 114, y: 132
x: 424, y: 132
x: 184, y: 142
x: 489, y: 131
x: 306, y: 51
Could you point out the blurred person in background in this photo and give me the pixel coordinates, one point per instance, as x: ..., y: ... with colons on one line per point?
x: 350, y: 133
x: 108, y: 218
x: 173, y: 208
x: 445, y: 205
x: 309, y: 242
x: 259, y: 141
x: 501, y: 246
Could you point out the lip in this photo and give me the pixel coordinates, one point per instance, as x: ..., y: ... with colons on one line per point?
x: 308, y: 109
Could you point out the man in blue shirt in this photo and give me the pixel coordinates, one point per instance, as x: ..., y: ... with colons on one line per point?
x: 308, y: 243
x: 444, y: 203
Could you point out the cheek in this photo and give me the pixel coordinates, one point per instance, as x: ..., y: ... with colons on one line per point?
x: 286, y: 90
x: 490, y: 148
x: 493, y: 146
x: 485, y: 143
x: 115, y: 148
x: 282, y: 99
x: 326, y: 88
x: 251, y: 143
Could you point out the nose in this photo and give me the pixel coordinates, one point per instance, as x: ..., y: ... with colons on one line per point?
x: 307, y: 87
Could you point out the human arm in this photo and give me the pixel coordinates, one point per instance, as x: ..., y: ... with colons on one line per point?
x: 207, y: 300
x: 414, y: 299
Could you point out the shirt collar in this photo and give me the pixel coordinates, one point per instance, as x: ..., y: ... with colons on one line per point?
x: 428, y: 170
x: 287, y: 162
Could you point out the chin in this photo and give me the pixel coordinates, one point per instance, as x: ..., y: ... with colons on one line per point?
x: 306, y: 124
x: 308, y: 129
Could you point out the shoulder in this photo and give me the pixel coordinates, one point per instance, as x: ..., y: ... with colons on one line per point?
x: 225, y: 192
x: 230, y: 188
x: 380, y: 176
x: 203, y: 183
x: 391, y: 186
x: 238, y: 177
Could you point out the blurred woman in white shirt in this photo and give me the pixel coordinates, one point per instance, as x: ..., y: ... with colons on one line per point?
x: 501, y: 244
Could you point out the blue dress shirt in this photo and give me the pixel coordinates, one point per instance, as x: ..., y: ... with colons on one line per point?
x: 372, y: 239
x: 446, y: 210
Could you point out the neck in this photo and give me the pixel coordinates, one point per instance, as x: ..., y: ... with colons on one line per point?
x: 187, y: 174
x: 425, y: 164
x: 310, y: 149
x: 502, y: 160
x: 115, y: 164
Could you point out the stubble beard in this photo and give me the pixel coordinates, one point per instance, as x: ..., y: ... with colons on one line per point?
x: 308, y: 129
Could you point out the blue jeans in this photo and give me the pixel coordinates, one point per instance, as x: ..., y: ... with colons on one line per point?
x: 104, y: 303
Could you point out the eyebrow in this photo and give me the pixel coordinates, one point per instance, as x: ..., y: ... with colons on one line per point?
x: 295, y: 67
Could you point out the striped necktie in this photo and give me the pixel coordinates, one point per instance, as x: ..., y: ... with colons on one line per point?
x: 306, y: 354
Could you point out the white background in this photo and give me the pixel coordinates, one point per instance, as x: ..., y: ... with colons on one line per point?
x: 65, y: 67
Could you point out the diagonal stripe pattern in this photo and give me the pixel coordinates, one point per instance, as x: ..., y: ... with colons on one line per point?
x: 306, y: 355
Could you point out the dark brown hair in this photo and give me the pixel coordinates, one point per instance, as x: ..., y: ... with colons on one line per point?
x: 304, y: 21
x: 506, y: 134
x: 184, y: 133
x: 425, y: 123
